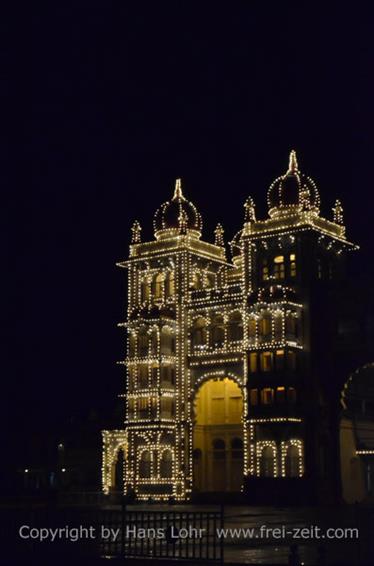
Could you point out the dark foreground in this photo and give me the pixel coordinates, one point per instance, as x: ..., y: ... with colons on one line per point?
x: 189, y: 535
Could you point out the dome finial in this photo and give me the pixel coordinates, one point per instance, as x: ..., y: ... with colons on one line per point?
x: 292, y: 164
x: 178, y: 189
x: 136, y: 230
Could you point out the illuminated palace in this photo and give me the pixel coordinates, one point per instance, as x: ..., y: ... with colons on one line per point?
x: 225, y: 386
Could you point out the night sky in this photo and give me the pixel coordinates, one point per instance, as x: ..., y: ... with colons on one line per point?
x: 114, y: 103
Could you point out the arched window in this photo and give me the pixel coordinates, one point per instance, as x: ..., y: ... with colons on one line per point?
x: 197, y: 281
x: 293, y: 461
x: 170, y: 284
x: 132, y: 344
x: 199, y: 335
x: 158, y: 286
x: 217, y: 331
x: 145, y: 464
x: 236, y: 448
x: 167, y: 341
x: 268, y: 462
x: 144, y: 291
x: 219, y: 449
x: 265, y: 327
x: 235, y: 327
x: 211, y: 279
x: 166, y: 464
x: 143, y: 342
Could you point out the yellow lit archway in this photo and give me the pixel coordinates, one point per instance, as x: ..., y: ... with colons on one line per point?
x: 218, y: 436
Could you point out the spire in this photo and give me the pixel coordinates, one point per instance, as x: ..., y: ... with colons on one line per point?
x: 249, y: 207
x: 218, y: 235
x: 338, y: 212
x: 292, y: 164
x: 178, y: 189
x: 136, y: 230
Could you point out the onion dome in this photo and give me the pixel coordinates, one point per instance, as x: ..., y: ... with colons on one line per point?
x: 292, y: 192
x: 177, y: 216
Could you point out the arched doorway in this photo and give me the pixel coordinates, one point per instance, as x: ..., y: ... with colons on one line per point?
x: 218, y: 436
x: 119, y: 463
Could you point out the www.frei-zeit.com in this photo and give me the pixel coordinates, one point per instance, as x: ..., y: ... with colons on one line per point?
x: 74, y: 534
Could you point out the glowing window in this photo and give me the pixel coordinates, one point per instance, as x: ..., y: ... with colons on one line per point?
x: 267, y: 396
x: 265, y: 326
x: 145, y: 290
x: 252, y: 329
x: 280, y: 394
x: 170, y: 284
x: 143, y: 404
x: 157, y: 286
x: 253, y: 362
x: 293, y: 265
x: 279, y: 359
x: 266, y: 361
x: 279, y: 270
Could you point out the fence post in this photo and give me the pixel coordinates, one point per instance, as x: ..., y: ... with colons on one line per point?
x: 321, y: 557
x: 123, y: 526
x: 293, y: 557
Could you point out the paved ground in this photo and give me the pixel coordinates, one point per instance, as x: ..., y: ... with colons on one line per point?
x: 255, y: 546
